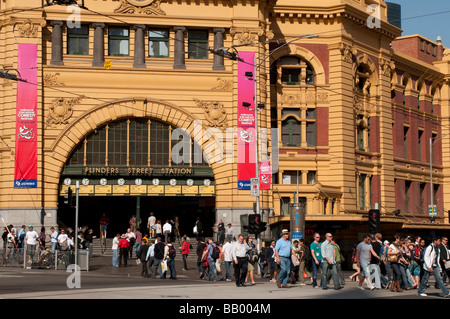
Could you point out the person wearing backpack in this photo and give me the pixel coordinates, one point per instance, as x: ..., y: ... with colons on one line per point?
x: 170, y: 254
x: 431, y: 267
x: 305, y: 258
x: 213, y: 254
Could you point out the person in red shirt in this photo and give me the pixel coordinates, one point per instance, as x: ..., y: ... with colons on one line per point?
x: 185, y: 250
x: 104, y: 221
x: 124, y: 244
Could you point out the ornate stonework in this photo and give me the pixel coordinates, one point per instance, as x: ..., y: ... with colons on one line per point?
x: 224, y: 85
x: 246, y: 36
x: 215, y: 113
x: 387, y: 66
x: 61, y: 110
x: 348, y: 52
x: 27, y: 28
x: 51, y: 79
x: 148, y: 7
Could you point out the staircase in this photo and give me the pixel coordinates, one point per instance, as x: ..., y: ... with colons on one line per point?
x: 108, y: 251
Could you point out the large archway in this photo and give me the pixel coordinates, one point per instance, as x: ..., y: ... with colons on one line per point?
x: 70, y: 160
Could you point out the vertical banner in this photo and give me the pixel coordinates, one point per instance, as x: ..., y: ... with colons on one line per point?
x: 246, y: 142
x: 265, y: 175
x: 25, y: 171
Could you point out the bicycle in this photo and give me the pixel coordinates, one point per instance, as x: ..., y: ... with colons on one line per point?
x: 46, y: 259
x: 13, y: 256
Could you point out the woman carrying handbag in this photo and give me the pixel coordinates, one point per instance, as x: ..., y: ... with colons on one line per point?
x: 394, y: 254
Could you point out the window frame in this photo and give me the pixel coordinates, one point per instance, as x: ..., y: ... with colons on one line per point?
x: 118, y: 38
x: 77, y: 38
x: 159, y: 40
x: 196, y: 55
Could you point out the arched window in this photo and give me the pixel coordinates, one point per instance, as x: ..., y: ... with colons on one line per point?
x: 133, y: 142
x: 293, y: 70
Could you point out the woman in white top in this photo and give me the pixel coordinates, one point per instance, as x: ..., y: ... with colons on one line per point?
x: 394, y: 255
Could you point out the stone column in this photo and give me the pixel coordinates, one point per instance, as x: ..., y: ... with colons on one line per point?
x: 57, y: 43
x: 99, y: 44
x: 218, y: 43
x: 179, y: 56
x: 139, y: 46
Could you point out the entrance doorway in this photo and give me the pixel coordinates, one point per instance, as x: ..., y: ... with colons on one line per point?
x: 120, y: 209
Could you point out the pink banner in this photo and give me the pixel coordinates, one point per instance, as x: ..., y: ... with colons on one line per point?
x: 265, y: 175
x: 246, y: 143
x: 25, y: 172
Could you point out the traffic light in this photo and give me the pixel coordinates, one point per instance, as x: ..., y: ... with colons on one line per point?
x: 262, y: 227
x: 68, y: 198
x: 374, y: 221
x: 254, y: 221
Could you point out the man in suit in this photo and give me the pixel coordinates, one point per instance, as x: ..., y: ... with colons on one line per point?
x: 443, y: 258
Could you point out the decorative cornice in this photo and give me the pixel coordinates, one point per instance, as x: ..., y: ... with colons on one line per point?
x: 215, y: 113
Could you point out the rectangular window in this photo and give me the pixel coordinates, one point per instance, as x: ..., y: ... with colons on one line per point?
x: 311, y: 177
x: 198, y: 44
x: 422, y: 197
x: 284, y: 203
x: 158, y: 43
x: 433, y: 139
x: 420, y: 145
x: 78, y: 40
x: 311, y: 134
x: 362, y: 191
x: 290, y: 76
x: 405, y: 142
x: 290, y: 132
x: 407, y: 188
x: 118, y: 41
x: 290, y: 177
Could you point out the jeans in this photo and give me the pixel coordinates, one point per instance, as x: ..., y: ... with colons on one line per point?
x: 437, y: 276
x: 114, y: 258
x: 185, y: 261
x: 137, y: 246
x: 339, y: 273
x: 91, y: 249
x: 262, y: 266
x: 54, y: 247
x: 404, y: 277
x: 171, y: 267
x: 156, y: 266
x: 285, y: 268
x: 387, y: 266
x: 228, y: 269
x: 315, y: 271
x: 230, y: 237
x: 333, y: 270
x: 212, y: 269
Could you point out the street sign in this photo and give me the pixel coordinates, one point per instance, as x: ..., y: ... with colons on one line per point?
x: 432, y: 210
x: 254, y: 187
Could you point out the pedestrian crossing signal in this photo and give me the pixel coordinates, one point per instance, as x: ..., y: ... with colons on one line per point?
x: 374, y: 221
x: 254, y: 221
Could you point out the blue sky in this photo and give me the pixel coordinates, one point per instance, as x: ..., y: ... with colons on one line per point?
x: 416, y: 21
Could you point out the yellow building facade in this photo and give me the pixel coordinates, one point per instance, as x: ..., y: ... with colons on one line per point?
x: 349, y: 108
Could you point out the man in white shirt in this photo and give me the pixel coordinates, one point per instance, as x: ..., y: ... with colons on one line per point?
x: 151, y: 224
x: 115, y: 247
x: 227, y: 257
x: 431, y: 267
x: 131, y: 237
x: 54, y: 239
x: 167, y: 230
x: 62, y: 240
x: 239, y: 253
x: 31, y: 239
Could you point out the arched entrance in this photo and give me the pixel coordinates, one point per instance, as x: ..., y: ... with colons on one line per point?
x: 134, y: 166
